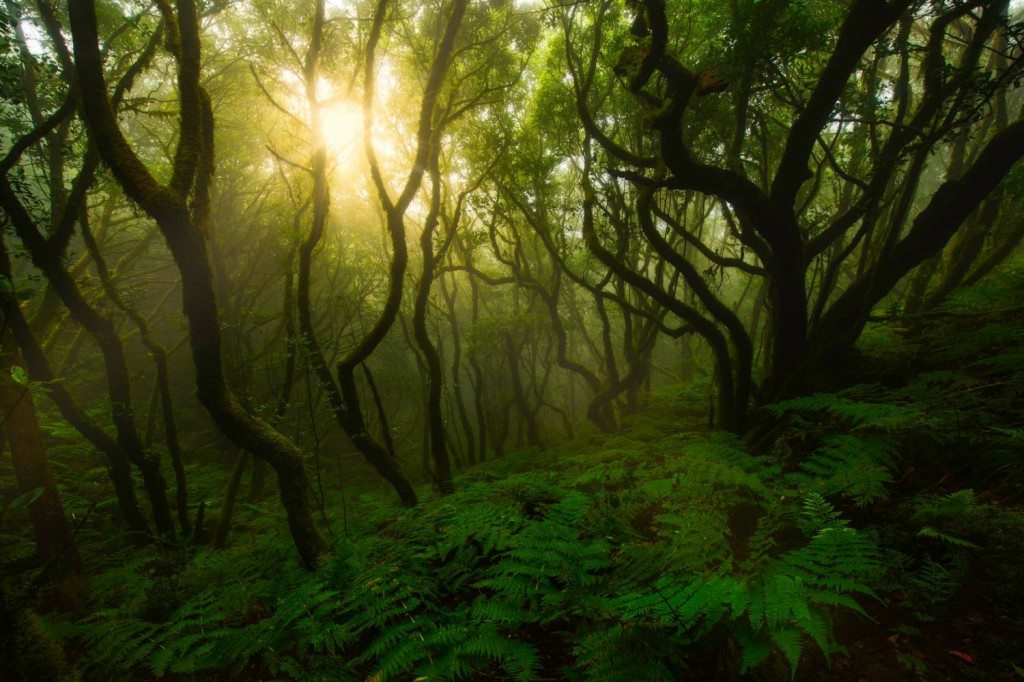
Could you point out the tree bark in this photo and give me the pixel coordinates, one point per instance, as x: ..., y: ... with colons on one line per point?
x: 456, y: 370
x: 432, y: 359
x: 163, y: 380
x: 56, y: 548
x: 227, y: 508
x: 528, y: 415
x: 184, y: 225
x: 951, y: 204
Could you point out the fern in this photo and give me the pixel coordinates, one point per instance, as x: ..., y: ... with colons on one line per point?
x: 860, y: 414
x: 857, y: 466
x: 529, y: 574
x: 817, y: 514
x: 619, y: 654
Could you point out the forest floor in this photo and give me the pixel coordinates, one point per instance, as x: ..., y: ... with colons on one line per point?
x: 965, y: 373
x: 974, y: 631
x: 874, y: 533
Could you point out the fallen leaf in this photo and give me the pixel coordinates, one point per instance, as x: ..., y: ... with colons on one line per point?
x: 966, y: 658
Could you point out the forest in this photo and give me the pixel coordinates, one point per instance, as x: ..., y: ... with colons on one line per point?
x: 610, y: 340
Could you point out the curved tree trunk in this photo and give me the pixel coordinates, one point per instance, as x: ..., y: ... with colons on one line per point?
x: 946, y: 211
x: 227, y: 508
x: 244, y: 430
x: 528, y: 415
x: 432, y: 359
x: 103, y: 332
x: 382, y: 415
x: 342, y: 406
x: 184, y: 225
x: 257, y: 483
x: 456, y: 371
x: 394, y: 210
x: 163, y: 381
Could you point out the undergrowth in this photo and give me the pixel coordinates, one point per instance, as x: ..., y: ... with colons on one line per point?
x: 654, y: 554
x: 640, y: 561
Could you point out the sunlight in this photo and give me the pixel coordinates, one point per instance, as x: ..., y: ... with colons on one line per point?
x: 343, y: 133
x: 342, y: 121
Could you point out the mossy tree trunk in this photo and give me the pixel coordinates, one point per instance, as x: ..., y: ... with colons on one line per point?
x: 181, y: 210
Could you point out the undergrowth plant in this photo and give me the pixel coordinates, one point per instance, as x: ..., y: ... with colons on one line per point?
x: 628, y: 563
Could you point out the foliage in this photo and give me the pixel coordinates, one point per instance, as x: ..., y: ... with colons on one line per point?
x: 589, y: 565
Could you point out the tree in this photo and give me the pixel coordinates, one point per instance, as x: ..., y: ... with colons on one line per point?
x: 181, y: 210
x: 792, y: 227
x: 56, y: 548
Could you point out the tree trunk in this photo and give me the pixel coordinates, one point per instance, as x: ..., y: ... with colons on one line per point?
x: 227, y: 509
x: 118, y: 465
x: 181, y: 209
x: 55, y: 542
x: 432, y: 359
x: 163, y: 381
x: 519, y: 393
x: 48, y: 260
x: 456, y: 372
x: 245, y: 431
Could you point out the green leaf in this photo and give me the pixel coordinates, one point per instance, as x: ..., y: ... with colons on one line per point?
x: 19, y: 375
x: 790, y: 644
x: 755, y: 649
x: 25, y: 499
x: 934, y: 533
